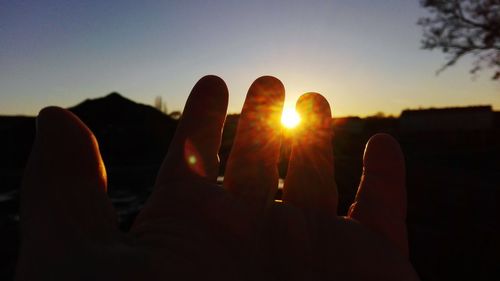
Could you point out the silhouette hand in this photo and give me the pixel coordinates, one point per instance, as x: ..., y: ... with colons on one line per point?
x: 190, y: 229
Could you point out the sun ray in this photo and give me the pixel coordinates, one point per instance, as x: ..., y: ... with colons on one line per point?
x: 290, y: 118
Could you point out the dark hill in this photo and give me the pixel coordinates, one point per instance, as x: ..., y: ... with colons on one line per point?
x: 16, y: 137
x: 129, y: 134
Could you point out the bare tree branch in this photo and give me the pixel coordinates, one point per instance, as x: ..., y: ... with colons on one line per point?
x: 464, y: 27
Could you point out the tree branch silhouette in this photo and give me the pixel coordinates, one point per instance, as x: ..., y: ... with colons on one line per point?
x: 464, y: 27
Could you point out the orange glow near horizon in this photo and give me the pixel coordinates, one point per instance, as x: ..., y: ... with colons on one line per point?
x: 290, y: 118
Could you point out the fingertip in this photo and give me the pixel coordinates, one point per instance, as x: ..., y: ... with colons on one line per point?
x: 215, y: 90
x: 314, y: 111
x: 383, y: 154
x: 263, y: 107
x: 59, y: 120
x: 212, y: 77
x: 313, y: 103
x: 213, y: 81
x: 59, y: 129
x: 316, y: 119
x: 54, y: 113
x: 49, y: 110
x: 46, y: 115
x: 270, y: 86
x: 270, y: 82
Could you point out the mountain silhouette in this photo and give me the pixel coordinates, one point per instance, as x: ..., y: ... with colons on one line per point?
x: 129, y: 134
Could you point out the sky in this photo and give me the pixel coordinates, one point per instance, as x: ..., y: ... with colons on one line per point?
x: 364, y: 56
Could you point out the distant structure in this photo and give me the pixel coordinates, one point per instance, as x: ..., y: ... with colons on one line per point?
x: 161, y: 105
x: 461, y: 119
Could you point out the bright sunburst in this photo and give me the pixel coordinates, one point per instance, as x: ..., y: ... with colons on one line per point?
x: 290, y: 118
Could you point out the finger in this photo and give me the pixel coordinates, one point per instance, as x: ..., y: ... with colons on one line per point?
x: 251, y: 171
x: 64, y: 187
x: 380, y: 201
x: 310, y: 183
x: 192, y: 154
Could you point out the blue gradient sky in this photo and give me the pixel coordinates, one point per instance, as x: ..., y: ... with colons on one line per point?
x: 363, y: 55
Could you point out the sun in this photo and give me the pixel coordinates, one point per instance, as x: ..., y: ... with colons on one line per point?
x: 290, y: 118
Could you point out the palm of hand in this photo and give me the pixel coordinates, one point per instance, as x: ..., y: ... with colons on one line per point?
x: 190, y: 228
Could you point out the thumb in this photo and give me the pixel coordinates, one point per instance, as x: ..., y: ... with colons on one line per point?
x: 63, y: 193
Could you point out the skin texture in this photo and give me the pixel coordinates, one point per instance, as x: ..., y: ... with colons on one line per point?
x: 192, y: 229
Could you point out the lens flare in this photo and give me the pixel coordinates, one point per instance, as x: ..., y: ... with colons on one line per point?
x: 193, y: 159
x: 290, y: 118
